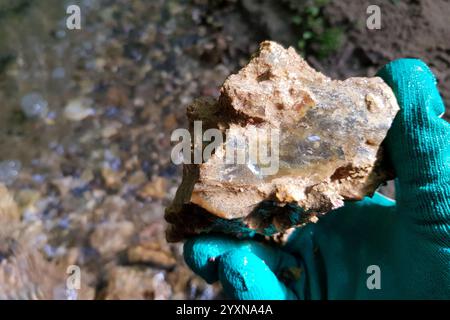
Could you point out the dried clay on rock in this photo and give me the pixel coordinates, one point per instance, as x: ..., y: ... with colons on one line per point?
x: 329, y: 134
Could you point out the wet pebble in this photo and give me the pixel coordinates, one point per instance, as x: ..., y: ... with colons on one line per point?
x: 58, y: 73
x: 153, y: 254
x: 154, y: 189
x: 9, y: 170
x: 111, y: 237
x: 34, y: 105
x: 78, y: 109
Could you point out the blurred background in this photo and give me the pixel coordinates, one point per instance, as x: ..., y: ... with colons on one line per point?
x: 86, y: 117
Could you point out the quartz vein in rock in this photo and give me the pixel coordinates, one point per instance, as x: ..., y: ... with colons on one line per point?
x: 330, y: 135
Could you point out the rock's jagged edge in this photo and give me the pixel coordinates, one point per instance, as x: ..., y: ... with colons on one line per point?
x: 207, y: 202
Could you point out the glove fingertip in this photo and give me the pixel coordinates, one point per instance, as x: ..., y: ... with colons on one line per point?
x: 245, y: 276
x: 202, y: 252
x: 409, y: 77
x: 404, y: 66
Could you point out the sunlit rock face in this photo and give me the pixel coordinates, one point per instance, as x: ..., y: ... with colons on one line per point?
x: 322, y: 142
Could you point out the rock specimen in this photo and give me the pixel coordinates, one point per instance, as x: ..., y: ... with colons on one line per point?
x: 322, y: 142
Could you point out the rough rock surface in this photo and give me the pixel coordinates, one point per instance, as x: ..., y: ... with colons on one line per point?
x: 330, y: 134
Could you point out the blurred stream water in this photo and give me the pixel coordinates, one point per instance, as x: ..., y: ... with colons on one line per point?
x: 85, y: 121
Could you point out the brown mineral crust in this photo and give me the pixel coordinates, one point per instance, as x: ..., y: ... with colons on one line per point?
x: 329, y: 148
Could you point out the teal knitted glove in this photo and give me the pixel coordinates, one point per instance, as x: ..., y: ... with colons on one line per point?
x: 372, y: 249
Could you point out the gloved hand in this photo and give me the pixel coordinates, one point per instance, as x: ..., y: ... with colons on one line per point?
x: 408, y: 241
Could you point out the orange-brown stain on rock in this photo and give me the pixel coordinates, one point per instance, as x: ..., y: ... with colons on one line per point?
x: 305, y: 103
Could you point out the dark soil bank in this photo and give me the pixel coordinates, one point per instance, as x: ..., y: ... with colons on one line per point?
x: 415, y: 28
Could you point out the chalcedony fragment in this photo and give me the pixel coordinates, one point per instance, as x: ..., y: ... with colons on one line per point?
x: 327, y: 148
